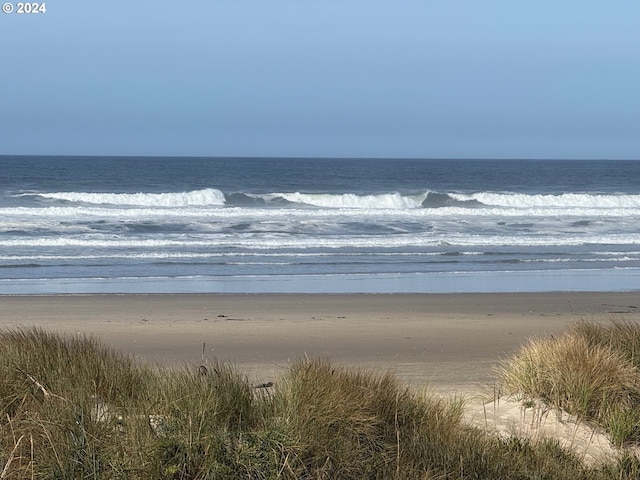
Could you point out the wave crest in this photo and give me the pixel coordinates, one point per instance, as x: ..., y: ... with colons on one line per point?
x: 351, y: 200
x: 480, y: 202
x: 565, y: 200
x: 206, y: 197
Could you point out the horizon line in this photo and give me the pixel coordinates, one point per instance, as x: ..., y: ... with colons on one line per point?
x: 295, y: 157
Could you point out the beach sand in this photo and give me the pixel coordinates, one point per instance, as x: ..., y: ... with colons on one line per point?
x: 449, y: 342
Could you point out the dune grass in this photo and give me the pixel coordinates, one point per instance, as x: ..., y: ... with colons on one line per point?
x: 71, y: 408
x: 592, y: 371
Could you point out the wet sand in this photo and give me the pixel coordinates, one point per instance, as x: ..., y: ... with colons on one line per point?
x: 451, y: 342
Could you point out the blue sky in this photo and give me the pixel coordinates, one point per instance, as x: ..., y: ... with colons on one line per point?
x: 432, y: 79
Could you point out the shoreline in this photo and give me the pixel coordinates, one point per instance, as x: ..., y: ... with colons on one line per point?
x: 503, y: 281
x: 450, y: 341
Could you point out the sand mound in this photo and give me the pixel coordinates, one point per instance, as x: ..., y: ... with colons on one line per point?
x: 510, y: 417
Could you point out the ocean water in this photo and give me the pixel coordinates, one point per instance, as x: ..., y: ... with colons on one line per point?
x: 145, y: 225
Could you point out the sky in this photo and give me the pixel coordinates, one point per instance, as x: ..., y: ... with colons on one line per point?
x: 330, y: 78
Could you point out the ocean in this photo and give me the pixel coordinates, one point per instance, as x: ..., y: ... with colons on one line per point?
x: 171, y: 225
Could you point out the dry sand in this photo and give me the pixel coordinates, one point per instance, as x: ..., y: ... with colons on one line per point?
x: 451, y: 342
x: 510, y: 417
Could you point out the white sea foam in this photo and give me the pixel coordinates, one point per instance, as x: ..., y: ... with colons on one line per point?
x: 239, y: 213
x: 163, y: 255
x: 564, y: 201
x: 214, y: 197
x: 204, y: 197
x: 279, y: 242
x: 266, y: 258
x: 351, y: 200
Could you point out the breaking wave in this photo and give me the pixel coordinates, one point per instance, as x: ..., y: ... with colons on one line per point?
x: 565, y: 200
x: 206, y: 197
x: 379, y: 201
x: 351, y: 200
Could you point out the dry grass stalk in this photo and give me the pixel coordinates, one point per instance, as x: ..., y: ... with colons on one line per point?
x: 11, y: 458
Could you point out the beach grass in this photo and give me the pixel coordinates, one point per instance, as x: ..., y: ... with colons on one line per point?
x: 592, y: 371
x: 71, y: 408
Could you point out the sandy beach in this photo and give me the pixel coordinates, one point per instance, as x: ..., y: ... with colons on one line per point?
x: 450, y: 342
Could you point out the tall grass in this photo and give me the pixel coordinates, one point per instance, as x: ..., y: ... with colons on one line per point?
x: 591, y: 371
x: 345, y: 423
x: 71, y: 408
x: 620, y: 336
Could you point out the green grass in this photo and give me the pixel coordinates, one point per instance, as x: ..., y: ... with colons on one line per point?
x: 71, y: 408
